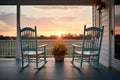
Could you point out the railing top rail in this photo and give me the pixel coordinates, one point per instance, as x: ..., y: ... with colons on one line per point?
x: 50, y: 40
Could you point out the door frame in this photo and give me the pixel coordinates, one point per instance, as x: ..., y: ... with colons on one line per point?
x: 114, y: 63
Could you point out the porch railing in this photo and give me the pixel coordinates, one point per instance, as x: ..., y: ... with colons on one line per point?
x: 7, y: 47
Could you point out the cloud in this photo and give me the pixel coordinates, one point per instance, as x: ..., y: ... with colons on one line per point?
x: 7, y: 24
x: 67, y: 19
x: 6, y: 29
x: 64, y: 22
x: 8, y: 18
x: 42, y: 21
x: 46, y: 21
x: 55, y: 11
x: 57, y: 8
x: 48, y: 25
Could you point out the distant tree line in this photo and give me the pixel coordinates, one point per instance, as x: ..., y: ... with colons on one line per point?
x: 63, y: 36
x: 7, y: 37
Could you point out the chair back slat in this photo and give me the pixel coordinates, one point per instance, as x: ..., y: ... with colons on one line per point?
x: 92, y: 38
x: 28, y: 38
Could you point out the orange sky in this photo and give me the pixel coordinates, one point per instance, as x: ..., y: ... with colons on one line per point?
x: 50, y: 20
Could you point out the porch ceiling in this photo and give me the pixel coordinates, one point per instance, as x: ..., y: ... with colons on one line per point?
x: 46, y: 2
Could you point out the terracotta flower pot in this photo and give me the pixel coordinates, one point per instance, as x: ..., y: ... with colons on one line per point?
x: 59, y: 58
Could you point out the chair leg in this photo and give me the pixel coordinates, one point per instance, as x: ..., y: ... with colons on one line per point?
x: 73, y: 54
x: 45, y: 56
x: 81, y: 61
x: 22, y: 61
x: 36, y: 61
x: 45, y: 61
x: 28, y: 59
x: 89, y: 59
x: 72, y: 58
x: 97, y: 61
x: 24, y: 64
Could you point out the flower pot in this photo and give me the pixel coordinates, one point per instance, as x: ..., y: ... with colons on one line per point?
x: 59, y: 58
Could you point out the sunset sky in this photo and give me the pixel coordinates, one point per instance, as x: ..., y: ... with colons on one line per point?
x: 50, y: 20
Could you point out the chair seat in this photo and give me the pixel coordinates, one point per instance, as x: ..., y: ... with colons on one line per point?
x: 33, y: 53
x: 87, y: 53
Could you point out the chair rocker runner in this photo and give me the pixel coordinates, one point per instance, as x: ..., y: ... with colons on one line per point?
x: 30, y: 51
x: 89, y: 51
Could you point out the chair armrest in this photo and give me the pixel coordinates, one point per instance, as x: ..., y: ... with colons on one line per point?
x: 44, y: 45
x: 75, y: 45
x: 25, y: 46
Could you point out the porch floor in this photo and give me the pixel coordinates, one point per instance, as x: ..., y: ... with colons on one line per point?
x: 10, y: 70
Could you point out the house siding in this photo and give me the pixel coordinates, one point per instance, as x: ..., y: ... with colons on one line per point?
x: 102, y: 19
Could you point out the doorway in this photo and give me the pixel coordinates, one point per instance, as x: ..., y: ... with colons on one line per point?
x: 115, y: 56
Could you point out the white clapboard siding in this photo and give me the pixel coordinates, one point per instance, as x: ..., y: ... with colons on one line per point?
x: 103, y: 20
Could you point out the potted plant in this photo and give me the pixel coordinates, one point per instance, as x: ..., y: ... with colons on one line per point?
x: 59, y: 51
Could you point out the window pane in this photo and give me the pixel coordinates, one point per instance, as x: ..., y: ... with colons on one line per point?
x: 117, y: 32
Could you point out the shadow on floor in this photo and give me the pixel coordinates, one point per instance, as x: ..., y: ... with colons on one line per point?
x: 10, y: 70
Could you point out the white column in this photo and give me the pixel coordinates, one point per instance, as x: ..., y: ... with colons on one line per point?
x: 18, y: 47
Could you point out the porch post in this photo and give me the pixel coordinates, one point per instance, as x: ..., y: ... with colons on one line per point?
x: 18, y: 47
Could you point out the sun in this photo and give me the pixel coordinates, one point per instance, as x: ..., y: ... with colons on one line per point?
x: 59, y: 34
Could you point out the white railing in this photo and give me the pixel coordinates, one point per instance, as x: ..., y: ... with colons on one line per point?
x: 7, y: 47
